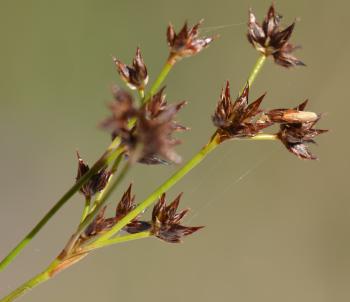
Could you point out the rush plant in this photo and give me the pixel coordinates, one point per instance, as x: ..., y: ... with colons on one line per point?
x: 142, y: 129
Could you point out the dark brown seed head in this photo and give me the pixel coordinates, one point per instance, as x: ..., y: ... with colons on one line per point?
x: 270, y: 39
x: 237, y: 119
x: 166, y: 222
x: 186, y: 43
x: 154, y: 135
x: 135, y: 76
x: 297, y: 129
x: 96, y: 183
x: 123, y: 110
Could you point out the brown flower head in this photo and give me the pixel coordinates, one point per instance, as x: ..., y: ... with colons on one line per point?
x: 96, y: 183
x: 124, y: 207
x: 296, y: 129
x: 237, y: 119
x: 123, y: 110
x: 166, y: 222
x: 270, y: 39
x: 154, y: 134
x: 186, y: 43
x: 135, y: 76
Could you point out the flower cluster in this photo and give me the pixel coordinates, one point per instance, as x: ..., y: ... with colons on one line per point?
x: 186, y: 43
x: 270, y: 39
x: 151, y: 136
x: 135, y: 76
x: 296, y: 129
x: 239, y: 120
x: 165, y: 223
x: 96, y: 183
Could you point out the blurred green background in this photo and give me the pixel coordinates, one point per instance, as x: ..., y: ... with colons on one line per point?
x: 277, y: 228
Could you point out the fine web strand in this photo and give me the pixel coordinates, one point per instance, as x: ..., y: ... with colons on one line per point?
x: 209, y: 29
x: 229, y: 185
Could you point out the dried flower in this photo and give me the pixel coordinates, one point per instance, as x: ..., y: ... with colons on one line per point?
x: 155, y: 135
x: 270, y: 39
x: 186, y: 43
x: 135, y: 76
x: 123, y: 110
x: 166, y: 222
x: 96, y: 183
x: 236, y: 119
x: 152, y: 134
x: 296, y: 134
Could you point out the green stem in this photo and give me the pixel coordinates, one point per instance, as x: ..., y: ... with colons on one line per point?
x: 56, y: 265
x: 160, y: 79
x: 108, y: 156
x: 28, y: 285
x: 96, y: 245
x: 255, y: 71
x: 86, y: 209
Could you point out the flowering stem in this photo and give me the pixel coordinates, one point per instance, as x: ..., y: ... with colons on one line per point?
x: 160, y: 79
x: 161, y: 189
x: 109, y: 155
x: 256, y: 69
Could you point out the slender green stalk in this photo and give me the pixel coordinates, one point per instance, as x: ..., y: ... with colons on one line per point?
x: 86, y: 209
x: 255, y: 71
x: 108, y: 156
x: 96, y: 245
x: 160, y: 79
x: 28, y: 285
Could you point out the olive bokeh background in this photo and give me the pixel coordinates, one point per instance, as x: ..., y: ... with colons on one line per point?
x: 277, y: 228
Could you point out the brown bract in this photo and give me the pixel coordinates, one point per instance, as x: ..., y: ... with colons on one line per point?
x: 270, y: 39
x: 135, y: 76
x: 238, y: 119
x: 166, y: 223
x: 96, y: 183
x: 186, y: 43
x: 124, y: 207
x: 297, y: 129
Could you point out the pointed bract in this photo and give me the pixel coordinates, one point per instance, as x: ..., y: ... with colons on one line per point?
x: 238, y: 119
x: 135, y: 76
x: 96, y: 183
x: 166, y: 222
x: 186, y: 43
